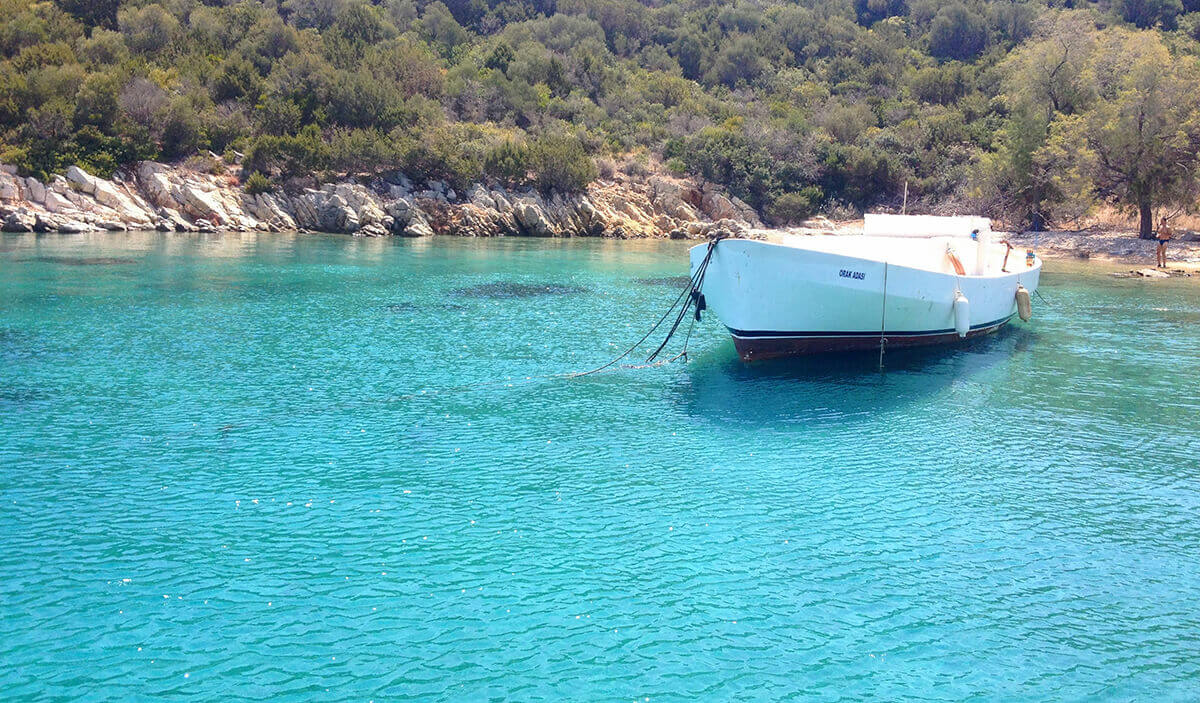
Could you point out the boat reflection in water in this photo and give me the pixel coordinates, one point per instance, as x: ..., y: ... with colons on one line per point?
x: 839, y: 389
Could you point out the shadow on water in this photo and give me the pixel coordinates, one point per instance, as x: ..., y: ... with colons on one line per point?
x: 720, y: 388
x: 509, y: 289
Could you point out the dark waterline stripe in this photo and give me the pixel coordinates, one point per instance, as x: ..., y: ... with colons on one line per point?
x: 751, y: 334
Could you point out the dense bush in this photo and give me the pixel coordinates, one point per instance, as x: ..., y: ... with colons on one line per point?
x: 257, y: 183
x: 795, y: 206
x: 561, y: 163
x: 509, y: 162
x: 792, y: 106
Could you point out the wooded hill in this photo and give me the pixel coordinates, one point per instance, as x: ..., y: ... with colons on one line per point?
x: 1033, y: 111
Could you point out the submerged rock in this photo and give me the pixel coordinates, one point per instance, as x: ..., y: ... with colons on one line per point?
x: 1151, y: 273
x: 670, y: 281
x: 84, y: 260
x: 508, y: 289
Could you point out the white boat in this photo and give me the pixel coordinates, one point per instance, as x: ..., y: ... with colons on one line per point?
x: 905, y: 281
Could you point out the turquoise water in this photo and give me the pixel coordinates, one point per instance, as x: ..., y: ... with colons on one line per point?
x: 219, y: 479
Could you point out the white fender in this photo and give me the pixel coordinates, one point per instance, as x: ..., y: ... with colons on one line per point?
x: 962, y: 314
x: 1024, y: 305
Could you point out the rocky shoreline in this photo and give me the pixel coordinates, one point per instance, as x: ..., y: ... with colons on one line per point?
x: 150, y: 195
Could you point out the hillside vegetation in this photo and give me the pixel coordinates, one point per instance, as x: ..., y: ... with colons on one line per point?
x: 1030, y: 110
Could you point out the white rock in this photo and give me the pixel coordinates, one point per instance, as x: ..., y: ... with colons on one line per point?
x: 108, y: 195
x: 75, y: 227
x: 502, y: 204
x: 533, y: 219
x: 56, y: 202
x: 82, y: 180
x: 202, y: 204
x: 19, y: 220
x: 156, y: 185
x: 417, y: 227
x: 34, y: 190
x: 478, y: 195
x: 8, y: 188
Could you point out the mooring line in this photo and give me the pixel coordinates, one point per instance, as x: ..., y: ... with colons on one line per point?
x: 694, y: 284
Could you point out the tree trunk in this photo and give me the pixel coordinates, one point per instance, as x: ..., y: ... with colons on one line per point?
x: 1145, y: 220
x: 1037, y: 223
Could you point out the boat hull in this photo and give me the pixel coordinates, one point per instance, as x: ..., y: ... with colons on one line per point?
x: 782, y: 300
x: 757, y: 347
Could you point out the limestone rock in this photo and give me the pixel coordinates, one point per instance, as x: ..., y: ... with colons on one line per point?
x: 335, y: 215
x: 19, y: 220
x: 74, y: 227
x: 1152, y: 273
x: 155, y: 184
x: 201, y: 204
x: 34, y: 190
x: 167, y: 197
x: 417, y: 225
x: 718, y: 207
x: 270, y: 211
x: 480, y: 197
x: 56, y: 202
x: 176, y: 220
x: 8, y: 188
x: 400, y: 209
x: 81, y: 180
x: 532, y: 218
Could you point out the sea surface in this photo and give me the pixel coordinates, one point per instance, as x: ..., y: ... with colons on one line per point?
x: 302, y: 467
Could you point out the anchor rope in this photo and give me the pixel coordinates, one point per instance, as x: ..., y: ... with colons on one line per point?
x: 695, y: 287
x: 694, y: 283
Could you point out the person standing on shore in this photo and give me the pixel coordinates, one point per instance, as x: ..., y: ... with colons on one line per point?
x: 1164, y: 234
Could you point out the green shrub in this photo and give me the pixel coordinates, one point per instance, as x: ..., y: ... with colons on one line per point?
x: 561, y: 163
x: 957, y: 33
x: 301, y: 154
x: 361, y: 151
x: 509, y: 161
x: 795, y: 206
x: 182, y: 130
x: 257, y: 183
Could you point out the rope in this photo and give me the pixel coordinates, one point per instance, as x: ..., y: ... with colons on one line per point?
x: 695, y: 286
x: 694, y: 283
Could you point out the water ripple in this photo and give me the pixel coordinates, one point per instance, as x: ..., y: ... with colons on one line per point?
x: 217, y: 483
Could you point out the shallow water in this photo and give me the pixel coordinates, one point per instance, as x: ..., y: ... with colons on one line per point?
x: 219, y: 478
